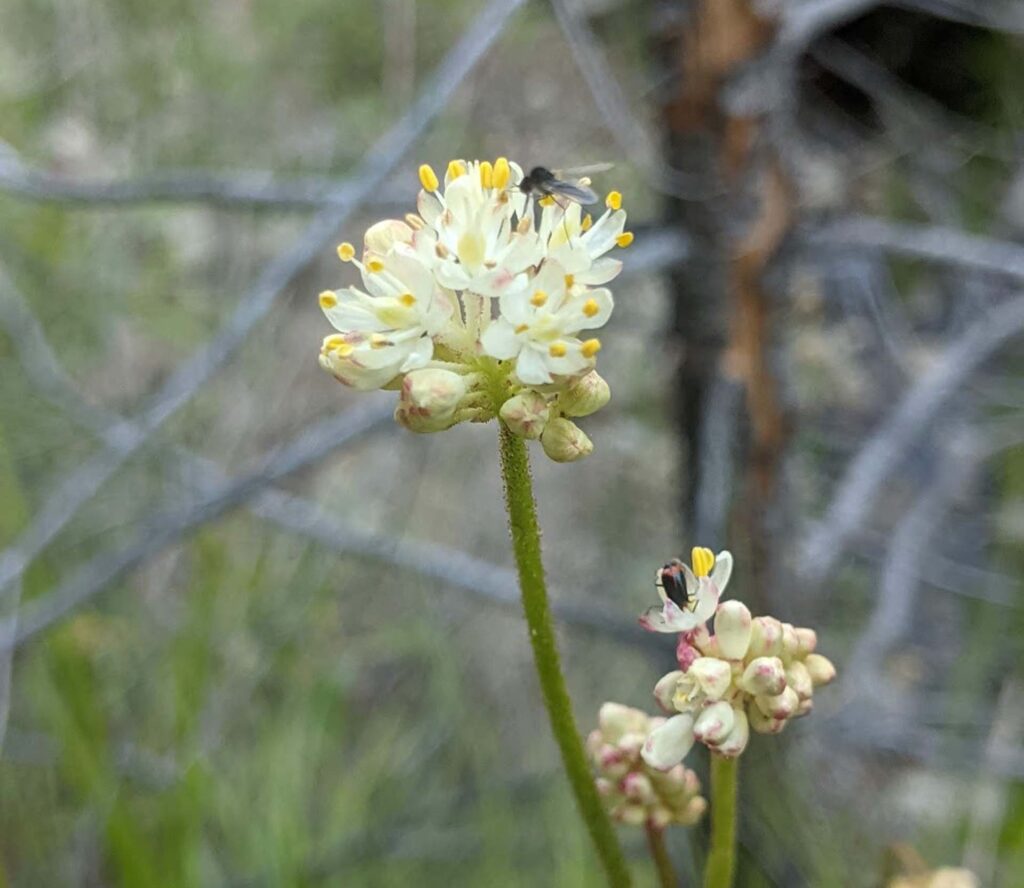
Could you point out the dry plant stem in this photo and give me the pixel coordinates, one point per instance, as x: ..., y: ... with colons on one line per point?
x: 659, y: 854
x: 722, y: 857
x: 522, y: 520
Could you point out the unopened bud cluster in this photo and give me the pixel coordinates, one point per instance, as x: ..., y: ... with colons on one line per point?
x: 480, y: 304
x: 634, y: 792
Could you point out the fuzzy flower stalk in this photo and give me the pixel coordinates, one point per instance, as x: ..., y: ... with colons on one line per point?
x: 749, y: 674
x: 483, y: 304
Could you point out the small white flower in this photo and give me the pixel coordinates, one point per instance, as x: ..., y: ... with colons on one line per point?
x: 668, y: 744
x: 697, y: 591
x: 538, y: 326
x: 579, y: 246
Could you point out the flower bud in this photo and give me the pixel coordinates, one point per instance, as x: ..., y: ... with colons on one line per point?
x: 765, y: 637
x: 637, y: 788
x: 665, y: 690
x: 668, y: 744
x: 808, y: 640
x: 586, y: 395
x: 632, y: 815
x: 820, y: 669
x: 734, y: 744
x: 564, y: 441
x: 780, y: 706
x: 686, y: 653
x: 526, y: 414
x: 765, y: 724
x: 429, y: 399
x: 660, y: 817
x: 385, y: 234
x: 713, y: 676
x: 614, y: 720
x: 694, y: 810
x: 799, y: 679
x: 605, y: 787
x: 764, y: 675
x: 714, y: 723
x: 733, y: 629
x: 790, y: 641
x: 700, y: 638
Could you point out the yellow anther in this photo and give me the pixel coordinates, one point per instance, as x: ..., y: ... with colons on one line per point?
x: 547, y: 201
x: 378, y: 341
x: 334, y: 341
x: 486, y: 174
x: 613, y: 201
x: 328, y: 299
x: 538, y: 298
x: 588, y: 220
x: 375, y: 265
x: 407, y: 299
x: 501, y: 173
x: 569, y: 280
x: 428, y: 178
x: 346, y: 252
x: 441, y: 250
x: 591, y: 308
x: 590, y: 348
x: 557, y: 349
x: 414, y: 221
x: 456, y: 168
x: 525, y: 224
x: 624, y: 239
x: 703, y: 561
x: 522, y: 328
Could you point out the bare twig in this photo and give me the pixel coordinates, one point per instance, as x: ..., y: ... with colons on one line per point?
x: 933, y: 242
x: 76, y: 488
x: 824, y: 544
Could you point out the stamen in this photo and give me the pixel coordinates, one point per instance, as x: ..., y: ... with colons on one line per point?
x: 522, y: 328
x: 557, y: 350
x: 525, y: 224
x: 588, y: 220
x: 328, y: 299
x: 375, y: 265
x: 407, y: 299
x: 591, y: 308
x: 335, y: 341
x: 538, y: 298
x: 624, y: 239
x: 547, y: 201
x: 346, y: 252
x: 378, y: 341
x: 703, y: 561
x: 456, y: 168
x: 570, y: 279
x: 486, y: 173
x: 614, y: 200
x: 414, y: 221
x: 501, y: 173
x: 441, y: 250
x: 428, y: 178
x: 591, y: 347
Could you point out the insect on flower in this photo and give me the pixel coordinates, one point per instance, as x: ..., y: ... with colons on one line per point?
x: 542, y: 182
x: 672, y: 579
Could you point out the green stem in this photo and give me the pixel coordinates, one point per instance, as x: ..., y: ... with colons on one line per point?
x: 659, y: 853
x: 722, y: 856
x: 522, y: 519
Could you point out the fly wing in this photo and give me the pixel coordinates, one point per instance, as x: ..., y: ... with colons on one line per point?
x: 579, y: 193
x: 586, y: 170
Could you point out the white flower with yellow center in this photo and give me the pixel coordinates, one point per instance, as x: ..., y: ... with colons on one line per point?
x: 688, y: 596
x: 538, y: 326
x: 578, y: 244
x: 389, y: 329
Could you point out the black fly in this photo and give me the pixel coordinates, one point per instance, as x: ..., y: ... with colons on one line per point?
x: 672, y: 579
x: 541, y: 182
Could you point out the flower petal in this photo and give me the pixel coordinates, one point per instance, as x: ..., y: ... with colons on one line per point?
x: 668, y: 744
x: 722, y: 570
x: 501, y: 341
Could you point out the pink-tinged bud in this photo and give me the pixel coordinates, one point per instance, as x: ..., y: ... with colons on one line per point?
x: 660, y: 817
x: 739, y: 736
x: 694, y: 810
x: 765, y: 637
x: 605, y: 788
x: 765, y: 724
x: 632, y: 815
x: 526, y: 414
x: 668, y: 744
x: 385, y: 234
x: 614, y: 762
x: 637, y: 788
x: 564, y: 441
x: 805, y: 707
x: 732, y: 629
x: 700, y: 638
x: 429, y: 399
x: 807, y: 639
x: 691, y: 782
x: 820, y: 669
x: 714, y: 676
x: 686, y: 653
x: 790, y: 641
x: 586, y: 395
x: 781, y: 706
x: 799, y: 679
x: 764, y: 675
x: 714, y: 723
x: 672, y: 782
x: 614, y: 720
x: 595, y: 740
x: 665, y: 690
x: 631, y: 743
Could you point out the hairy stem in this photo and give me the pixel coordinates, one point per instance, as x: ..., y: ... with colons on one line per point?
x: 722, y: 857
x: 659, y: 853
x: 522, y: 519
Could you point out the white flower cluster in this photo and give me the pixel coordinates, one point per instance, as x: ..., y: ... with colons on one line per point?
x: 482, y: 301
x: 634, y: 792
x: 752, y: 673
